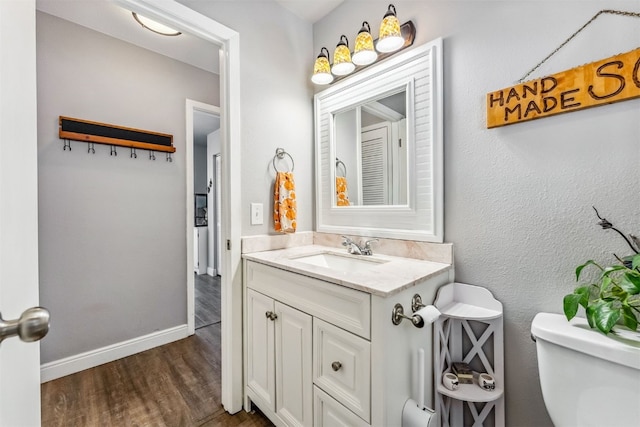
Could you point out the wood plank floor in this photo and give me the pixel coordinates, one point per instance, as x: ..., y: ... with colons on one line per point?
x: 175, y: 385
x: 207, y: 300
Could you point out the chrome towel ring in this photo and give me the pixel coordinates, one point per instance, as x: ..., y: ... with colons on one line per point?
x: 344, y: 167
x: 280, y: 153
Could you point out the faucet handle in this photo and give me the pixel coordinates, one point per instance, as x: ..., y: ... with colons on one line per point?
x: 346, y: 241
x: 367, y: 244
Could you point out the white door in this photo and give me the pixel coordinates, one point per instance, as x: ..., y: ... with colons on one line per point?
x: 375, y: 164
x: 19, y: 361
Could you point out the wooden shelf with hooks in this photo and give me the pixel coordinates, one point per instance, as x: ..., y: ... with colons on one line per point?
x: 107, y: 134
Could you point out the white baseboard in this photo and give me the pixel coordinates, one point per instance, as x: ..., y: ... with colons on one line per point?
x: 211, y: 271
x: 72, y: 364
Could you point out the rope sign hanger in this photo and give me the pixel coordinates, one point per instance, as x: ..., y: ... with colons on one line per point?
x: 602, y: 12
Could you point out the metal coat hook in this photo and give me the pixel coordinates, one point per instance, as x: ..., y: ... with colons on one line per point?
x: 91, y: 148
x: 133, y: 155
x: 169, y: 159
x: 152, y: 155
x: 67, y: 144
x: 113, y: 151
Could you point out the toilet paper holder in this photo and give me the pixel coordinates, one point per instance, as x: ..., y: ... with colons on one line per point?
x: 397, y: 316
x: 421, y: 313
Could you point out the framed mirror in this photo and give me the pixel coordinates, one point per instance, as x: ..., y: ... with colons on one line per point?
x: 379, y: 162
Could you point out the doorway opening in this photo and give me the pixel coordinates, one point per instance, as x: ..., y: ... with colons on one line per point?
x: 203, y: 135
x: 180, y: 16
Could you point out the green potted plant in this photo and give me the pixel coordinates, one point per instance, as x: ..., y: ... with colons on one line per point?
x: 614, y: 296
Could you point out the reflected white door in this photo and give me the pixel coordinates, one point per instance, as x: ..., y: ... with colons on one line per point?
x: 19, y: 361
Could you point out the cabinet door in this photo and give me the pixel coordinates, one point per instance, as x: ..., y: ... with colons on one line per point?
x: 329, y: 413
x: 294, y: 382
x: 261, y: 347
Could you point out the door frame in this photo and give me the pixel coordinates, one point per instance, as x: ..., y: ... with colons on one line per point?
x: 228, y: 40
x: 191, y: 107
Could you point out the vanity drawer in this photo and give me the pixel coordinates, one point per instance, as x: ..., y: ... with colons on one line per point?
x: 327, y: 412
x: 347, y: 308
x: 342, y: 367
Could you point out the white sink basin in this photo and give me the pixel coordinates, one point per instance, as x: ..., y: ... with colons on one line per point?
x: 340, y: 262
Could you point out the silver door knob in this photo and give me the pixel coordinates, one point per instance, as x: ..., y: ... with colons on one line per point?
x: 32, y: 325
x: 336, y: 366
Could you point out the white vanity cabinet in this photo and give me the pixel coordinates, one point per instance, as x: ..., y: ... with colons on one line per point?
x: 322, y: 354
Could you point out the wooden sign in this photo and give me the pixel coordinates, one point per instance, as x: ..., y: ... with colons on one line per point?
x: 602, y: 82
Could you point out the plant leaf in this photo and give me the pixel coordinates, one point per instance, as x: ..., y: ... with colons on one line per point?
x: 605, y: 316
x: 607, y: 271
x: 632, y: 283
x: 605, y: 282
x: 629, y: 319
x: 591, y: 313
x: 585, y: 293
x: 618, y: 291
x: 581, y: 267
x: 635, y: 263
x: 570, y: 305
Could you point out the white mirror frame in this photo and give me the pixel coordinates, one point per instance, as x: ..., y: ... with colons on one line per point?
x: 420, y: 71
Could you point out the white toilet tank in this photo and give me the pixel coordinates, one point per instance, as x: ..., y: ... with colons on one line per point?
x: 587, y: 378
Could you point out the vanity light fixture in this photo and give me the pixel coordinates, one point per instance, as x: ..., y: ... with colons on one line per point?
x: 393, y: 38
x: 342, y: 64
x: 390, y: 38
x: 154, y: 26
x: 363, y: 52
x: 322, y: 69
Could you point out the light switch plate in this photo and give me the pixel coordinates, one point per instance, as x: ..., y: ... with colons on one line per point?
x: 257, y: 216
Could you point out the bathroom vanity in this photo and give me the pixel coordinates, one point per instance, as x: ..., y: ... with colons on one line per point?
x: 320, y: 345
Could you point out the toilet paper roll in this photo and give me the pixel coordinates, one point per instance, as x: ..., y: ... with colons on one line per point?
x: 414, y: 416
x: 428, y: 313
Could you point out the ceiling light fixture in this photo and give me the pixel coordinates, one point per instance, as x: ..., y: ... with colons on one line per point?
x: 154, y: 26
x: 390, y: 38
x: 363, y: 51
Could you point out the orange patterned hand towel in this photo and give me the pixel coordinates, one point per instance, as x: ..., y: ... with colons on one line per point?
x: 342, y: 195
x: 284, y: 203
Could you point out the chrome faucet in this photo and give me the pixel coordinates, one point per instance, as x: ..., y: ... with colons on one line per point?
x: 355, y: 249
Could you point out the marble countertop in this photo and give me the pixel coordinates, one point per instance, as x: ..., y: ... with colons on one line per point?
x: 391, y: 275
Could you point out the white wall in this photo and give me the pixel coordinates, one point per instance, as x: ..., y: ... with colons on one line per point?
x: 518, y: 199
x: 276, y: 56
x: 111, y: 229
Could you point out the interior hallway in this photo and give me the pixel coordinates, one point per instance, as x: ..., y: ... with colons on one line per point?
x: 177, y: 384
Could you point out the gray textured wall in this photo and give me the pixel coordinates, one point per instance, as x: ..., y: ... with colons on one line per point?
x: 111, y: 229
x: 518, y: 199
